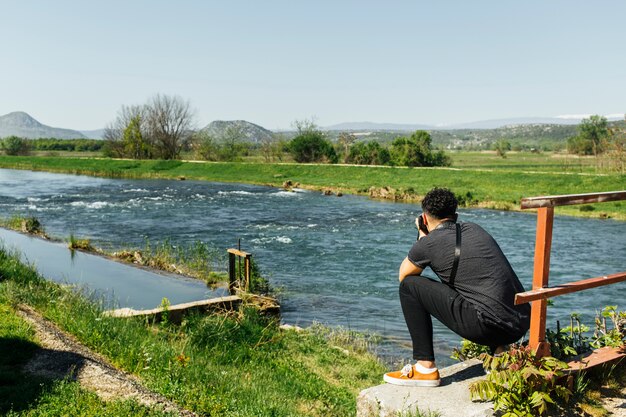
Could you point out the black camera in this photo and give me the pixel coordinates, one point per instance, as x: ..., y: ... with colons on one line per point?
x: 421, y: 225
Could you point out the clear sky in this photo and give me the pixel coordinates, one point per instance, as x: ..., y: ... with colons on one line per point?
x: 73, y: 64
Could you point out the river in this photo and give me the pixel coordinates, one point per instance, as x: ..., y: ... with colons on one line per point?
x: 333, y: 259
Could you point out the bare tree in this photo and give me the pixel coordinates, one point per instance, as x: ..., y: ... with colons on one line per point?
x: 169, y: 122
x: 346, y: 140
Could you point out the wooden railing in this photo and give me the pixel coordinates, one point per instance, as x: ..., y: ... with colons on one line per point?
x: 541, y: 291
x: 235, y: 278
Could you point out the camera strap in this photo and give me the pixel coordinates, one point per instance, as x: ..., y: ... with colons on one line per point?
x: 457, y: 255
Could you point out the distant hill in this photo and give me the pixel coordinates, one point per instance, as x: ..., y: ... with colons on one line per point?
x: 23, y: 125
x: 249, y: 132
x: 530, y: 134
x: 93, y: 134
x: 371, y: 126
x: 481, y: 124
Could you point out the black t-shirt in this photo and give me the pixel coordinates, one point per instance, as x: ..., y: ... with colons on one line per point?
x: 484, y: 276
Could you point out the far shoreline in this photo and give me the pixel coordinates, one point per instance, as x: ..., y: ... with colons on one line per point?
x: 495, y: 189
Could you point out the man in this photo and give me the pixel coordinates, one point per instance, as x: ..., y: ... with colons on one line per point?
x: 475, y: 297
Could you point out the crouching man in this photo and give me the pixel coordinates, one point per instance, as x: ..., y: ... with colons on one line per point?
x: 475, y: 297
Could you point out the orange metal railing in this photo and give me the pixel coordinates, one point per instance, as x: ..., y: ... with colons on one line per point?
x: 541, y: 291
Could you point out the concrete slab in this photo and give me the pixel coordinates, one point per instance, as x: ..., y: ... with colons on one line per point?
x: 450, y: 399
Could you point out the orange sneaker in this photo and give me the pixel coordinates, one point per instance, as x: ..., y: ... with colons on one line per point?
x: 409, y: 376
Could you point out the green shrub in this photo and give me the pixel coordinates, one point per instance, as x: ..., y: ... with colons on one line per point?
x: 521, y: 384
x: 14, y: 145
x: 312, y: 146
x: 469, y: 350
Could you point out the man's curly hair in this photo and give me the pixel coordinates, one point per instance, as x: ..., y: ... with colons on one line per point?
x: 440, y: 203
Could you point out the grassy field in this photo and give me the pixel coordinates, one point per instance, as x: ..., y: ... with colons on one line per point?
x: 483, y: 179
x: 27, y: 395
x: 238, y: 364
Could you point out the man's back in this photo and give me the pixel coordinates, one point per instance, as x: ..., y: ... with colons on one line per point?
x: 484, y: 277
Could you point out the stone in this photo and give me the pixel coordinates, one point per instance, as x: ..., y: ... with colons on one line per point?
x: 450, y: 399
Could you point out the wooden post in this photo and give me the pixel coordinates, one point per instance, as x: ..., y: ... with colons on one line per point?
x: 247, y: 268
x: 543, y: 243
x: 238, y: 278
x: 232, y: 280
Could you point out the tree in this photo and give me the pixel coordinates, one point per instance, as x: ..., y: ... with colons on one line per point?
x: 205, y: 145
x: 415, y: 151
x: 169, y: 123
x: 593, y: 134
x: 311, y: 145
x: 14, y: 145
x: 134, y: 144
x: 346, y: 140
x: 233, y: 144
x: 160, y: 128
x: 114, y: 132
x: 502, y: 147
x: 272, y: 147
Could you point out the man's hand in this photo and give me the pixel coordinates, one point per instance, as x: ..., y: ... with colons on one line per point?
x: 408, y: 268
x: 420, y: 230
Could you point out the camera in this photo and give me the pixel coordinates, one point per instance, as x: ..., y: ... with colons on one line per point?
x: 421, y: 225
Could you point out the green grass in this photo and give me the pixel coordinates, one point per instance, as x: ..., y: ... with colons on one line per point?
x: 26, y: 395
x: 524, y: 161
x: 240, y: 364
x: 492, y: 186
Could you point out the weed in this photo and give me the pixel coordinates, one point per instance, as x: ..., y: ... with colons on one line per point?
x: 520, y: 383
x: 469, y: 350
x: 29, y: 224
x: 80, y: 244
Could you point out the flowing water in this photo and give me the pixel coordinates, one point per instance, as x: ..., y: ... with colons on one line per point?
x: 334, y: 260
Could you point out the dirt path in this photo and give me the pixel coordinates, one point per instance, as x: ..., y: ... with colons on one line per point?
x: 63, y: 356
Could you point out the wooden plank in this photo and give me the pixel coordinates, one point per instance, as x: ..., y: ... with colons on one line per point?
x: 541, y: 271
x: 570, y: 199
x: 238, y: 252
x: 597, y: 357
x: 177, y: 311
x: 548, y: 292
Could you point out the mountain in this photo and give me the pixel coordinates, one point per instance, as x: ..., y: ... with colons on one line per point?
x: 23, y: 125
x: 221, y: 129
x: 93, y: 134
x: 481, y: 124
x: 371, y: 126
x: 499, y: 123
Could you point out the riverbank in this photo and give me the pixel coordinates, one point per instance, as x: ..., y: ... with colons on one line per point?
x: 493, y: 188
x: 235, y: 364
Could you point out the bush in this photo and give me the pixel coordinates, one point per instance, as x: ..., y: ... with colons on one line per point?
x: 312, y: 146
x: 415, y: 151
x: 14, y: 145
x: 370, y: 153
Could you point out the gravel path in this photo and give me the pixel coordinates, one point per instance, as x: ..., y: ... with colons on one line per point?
x: 62, y: 356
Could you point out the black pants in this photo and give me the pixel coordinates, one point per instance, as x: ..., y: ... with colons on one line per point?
x: 422, y: 298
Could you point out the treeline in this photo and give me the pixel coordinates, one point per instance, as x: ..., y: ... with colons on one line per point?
x: 163, y: 129
x: 14, y: 145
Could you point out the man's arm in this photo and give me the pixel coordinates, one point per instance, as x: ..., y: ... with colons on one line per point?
x: 408, y: 268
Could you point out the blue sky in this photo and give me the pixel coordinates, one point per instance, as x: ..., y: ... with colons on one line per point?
x: 73, y: 64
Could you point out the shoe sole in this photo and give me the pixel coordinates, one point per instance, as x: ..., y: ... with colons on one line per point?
x: 412, y: 382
